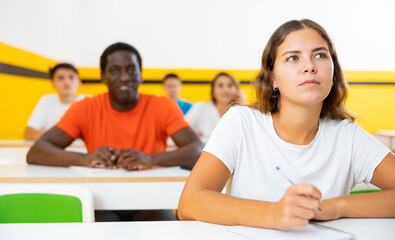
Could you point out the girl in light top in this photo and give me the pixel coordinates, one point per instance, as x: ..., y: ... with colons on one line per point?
x: 298, y: 131
x: 205, y: 115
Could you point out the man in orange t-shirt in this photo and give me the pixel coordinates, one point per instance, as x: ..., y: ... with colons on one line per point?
x: 121, y: 128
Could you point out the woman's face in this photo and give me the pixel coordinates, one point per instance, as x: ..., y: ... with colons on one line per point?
x: 225, y: 91
x: 303, y: 68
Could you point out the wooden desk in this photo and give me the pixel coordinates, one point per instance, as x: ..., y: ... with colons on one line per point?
x: 387, y: 137
x: 364, y: 229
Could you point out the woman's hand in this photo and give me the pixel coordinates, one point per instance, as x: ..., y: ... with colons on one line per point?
x: 240, y: 97
x: 296, y: 207
x: 330, y: 210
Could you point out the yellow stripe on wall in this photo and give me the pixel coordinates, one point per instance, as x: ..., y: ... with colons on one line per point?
x: 22, y: 58
x: 374, y: 104
x: 241, y: 75
x: 370, y: 76
x: 89, y: 73
x: 184, y: 74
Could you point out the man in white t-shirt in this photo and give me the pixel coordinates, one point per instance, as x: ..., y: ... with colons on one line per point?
x: 51, y: 107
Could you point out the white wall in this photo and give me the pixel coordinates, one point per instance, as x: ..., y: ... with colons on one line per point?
x: 195, y: 34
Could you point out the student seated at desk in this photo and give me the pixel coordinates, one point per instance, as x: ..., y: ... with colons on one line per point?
x: 295, y: 154
x: 120, y: 128
x: 172, y: 85
x: 204, y: 116
x: 51, y: 107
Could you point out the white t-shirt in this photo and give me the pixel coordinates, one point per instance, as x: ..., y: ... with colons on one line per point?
x: 203, y: 116
x: 48, y: 111
x: 341, y: 155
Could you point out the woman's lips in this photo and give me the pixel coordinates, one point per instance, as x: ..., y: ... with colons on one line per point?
x: 311, y: 82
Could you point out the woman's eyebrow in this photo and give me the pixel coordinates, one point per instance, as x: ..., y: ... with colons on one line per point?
x: 291, y: 52
x: 320, y: 49
x: 297, y: 51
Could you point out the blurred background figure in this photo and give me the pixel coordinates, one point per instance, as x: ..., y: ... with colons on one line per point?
x: 51, y: 107
x: 204, y: 116
x: 172, y: 85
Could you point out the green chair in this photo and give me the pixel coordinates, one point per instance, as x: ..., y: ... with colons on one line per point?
x: 364, y: 188
x: 365, y: 191
x: 36, y: 203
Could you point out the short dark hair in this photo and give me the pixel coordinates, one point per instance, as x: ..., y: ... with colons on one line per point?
x: 170, y: 75
x: 53, y: 70
x: 119, y: 46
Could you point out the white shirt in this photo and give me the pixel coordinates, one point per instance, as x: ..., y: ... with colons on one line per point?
x: 341, y: 155
x: 48, y: 111
x: 203, y: 116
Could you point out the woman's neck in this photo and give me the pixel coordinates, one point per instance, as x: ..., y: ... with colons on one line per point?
x: 221, y: 107
x: 297, y: 125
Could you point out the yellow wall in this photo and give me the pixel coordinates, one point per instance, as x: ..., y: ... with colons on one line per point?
x: 374, y: 105
x: 19, y: 95
x: 20, y: 58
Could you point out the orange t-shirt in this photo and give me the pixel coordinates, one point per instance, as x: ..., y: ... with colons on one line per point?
x: 146, y: 127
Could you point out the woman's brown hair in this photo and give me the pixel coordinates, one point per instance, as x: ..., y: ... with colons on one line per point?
x: 268, y: 99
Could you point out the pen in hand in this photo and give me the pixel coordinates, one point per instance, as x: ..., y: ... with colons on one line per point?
x: 290, y: 181
x: 285, y: 176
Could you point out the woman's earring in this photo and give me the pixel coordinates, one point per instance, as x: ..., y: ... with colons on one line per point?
x: 275, y: 89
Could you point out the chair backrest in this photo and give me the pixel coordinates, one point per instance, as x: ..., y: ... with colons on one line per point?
x: 39, y: 203
x: 365, y: 191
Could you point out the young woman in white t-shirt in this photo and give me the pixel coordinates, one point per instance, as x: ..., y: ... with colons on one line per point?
x: 204, y: 116
x: 295, y: 154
